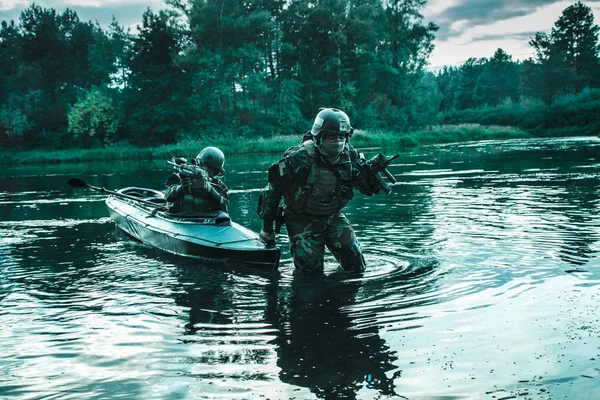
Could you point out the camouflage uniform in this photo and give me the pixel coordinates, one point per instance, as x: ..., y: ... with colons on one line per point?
x: 314, y: 193
x: 206, y: 195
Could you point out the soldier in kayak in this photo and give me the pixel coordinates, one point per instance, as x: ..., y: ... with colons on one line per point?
x: 198, y: 187
x: 316, y: 180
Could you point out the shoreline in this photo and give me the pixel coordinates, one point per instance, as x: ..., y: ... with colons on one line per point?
x: 441, y: 134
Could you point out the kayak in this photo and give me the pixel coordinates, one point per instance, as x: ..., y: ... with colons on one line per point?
x: 141, y: 213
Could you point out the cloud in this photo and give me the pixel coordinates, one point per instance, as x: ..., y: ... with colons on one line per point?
x: 468, y: 28
x: 478, y: 12
x: 128, y: 13
x: 6, y: 5
x: 476, y: 28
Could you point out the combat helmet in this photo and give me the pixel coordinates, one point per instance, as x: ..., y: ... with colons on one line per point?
x: 331, y: 120
x: 212, y: 159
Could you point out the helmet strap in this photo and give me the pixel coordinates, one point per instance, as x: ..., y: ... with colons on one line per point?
x: 318, y: 139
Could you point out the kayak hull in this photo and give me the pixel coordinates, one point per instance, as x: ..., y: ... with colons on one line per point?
x: 209, y: 236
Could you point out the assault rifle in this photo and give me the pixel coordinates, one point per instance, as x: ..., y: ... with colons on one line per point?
x: 370, y: 172
x: 192, y: 171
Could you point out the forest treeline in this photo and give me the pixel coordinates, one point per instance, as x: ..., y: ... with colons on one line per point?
x: 205, y: 68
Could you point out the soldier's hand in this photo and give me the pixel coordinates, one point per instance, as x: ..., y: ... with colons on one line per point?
x: 186, y: 183
x: 268, y: 238
x: 199, y: 183
x: 376, y: 188
x: 364, y: 187
x: 266, y: 233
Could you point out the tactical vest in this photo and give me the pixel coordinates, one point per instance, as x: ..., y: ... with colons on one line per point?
x: 197, y: 201
x: 194, y: 203
x: 327, y: 189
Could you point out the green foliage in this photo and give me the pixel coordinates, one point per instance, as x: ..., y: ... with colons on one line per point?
x: 575, y: 39
x: 225, y: 70
x: 230, y: 144
x: 45, y: 61
x: 567, y: 59
x: 580, y: 111
x: 499, y: 80
x: 93, y: 120
x: 154, y: 107
x: 13, y: 126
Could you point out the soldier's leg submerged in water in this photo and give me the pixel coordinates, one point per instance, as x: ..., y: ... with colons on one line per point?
x: 341, y: 241
x: 350, y: 257
x: 307, y: 243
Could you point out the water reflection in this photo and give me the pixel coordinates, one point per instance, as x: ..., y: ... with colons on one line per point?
x: 224, y: 332
x: 580, y: 228
x: 262, y: 329
x: 321, y: 348
x: 204, y: 292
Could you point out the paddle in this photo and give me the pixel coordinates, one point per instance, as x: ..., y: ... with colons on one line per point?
x: 80, y: 183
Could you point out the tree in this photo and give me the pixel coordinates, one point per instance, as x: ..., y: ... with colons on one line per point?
x: 45, y: 63
x: 402, y: 56
x: 566, y: 60
x: 93, y: 120
x: 233, y: 61
x: 155, y: 99
x: 10, y: 55
x: 447, y: 82
x: 466, y: 93
x: 499, y: 80
x: 120, y: 49
x: 575, y: 37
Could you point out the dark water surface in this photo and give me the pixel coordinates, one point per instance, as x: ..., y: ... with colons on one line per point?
x: 483, y: 282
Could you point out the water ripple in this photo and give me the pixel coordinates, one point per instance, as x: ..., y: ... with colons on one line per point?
x: 482, y: 274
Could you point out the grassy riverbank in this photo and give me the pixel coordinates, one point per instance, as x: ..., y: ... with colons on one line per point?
x: 393, y: 141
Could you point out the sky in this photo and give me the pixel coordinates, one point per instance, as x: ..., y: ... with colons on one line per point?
x: 468, y: 28
x: 477, y: 28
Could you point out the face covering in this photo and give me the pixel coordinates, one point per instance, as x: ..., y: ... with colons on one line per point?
x: 332, y: 148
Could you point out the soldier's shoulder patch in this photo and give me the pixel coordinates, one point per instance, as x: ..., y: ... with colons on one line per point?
x: 281, y: 167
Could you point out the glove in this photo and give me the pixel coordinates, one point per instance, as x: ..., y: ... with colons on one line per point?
x: 364, y: 187
x: 268, y: 238
x: 266, y: 233
x: 376, y: 188
x: 186, y: 183
x: 200, y: 183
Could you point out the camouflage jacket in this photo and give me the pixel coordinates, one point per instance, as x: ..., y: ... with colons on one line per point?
x: 295, y: 178
x: 212, y: 197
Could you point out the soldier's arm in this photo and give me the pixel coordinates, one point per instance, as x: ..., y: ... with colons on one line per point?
x: 218, y: 196
x: 175, y: 191
x: 222, y: 189
x: 269, y: 203
x: 281, y: 176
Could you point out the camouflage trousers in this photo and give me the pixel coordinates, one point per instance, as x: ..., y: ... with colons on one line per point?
x: 310, y: 235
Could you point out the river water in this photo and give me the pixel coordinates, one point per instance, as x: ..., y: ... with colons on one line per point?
x: 482, y: 282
